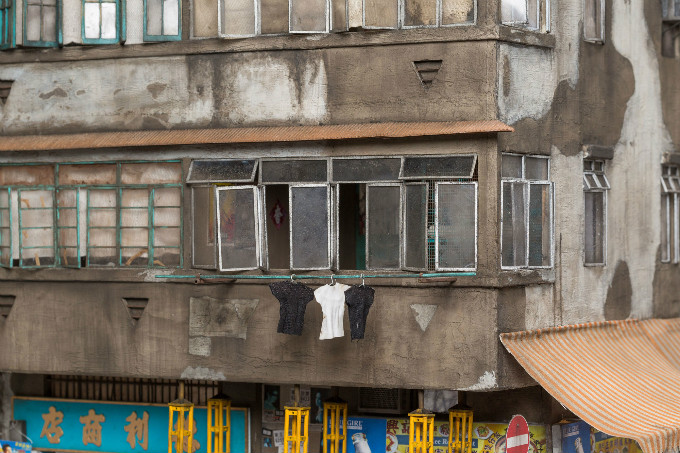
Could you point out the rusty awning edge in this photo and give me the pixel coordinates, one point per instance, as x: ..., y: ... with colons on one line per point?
x: 121, y: 139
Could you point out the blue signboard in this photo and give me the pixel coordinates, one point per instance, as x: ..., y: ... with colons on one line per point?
x: 365, y: 435
x: 96, y: 426
x: 576, y: 437
x: 10, y: 446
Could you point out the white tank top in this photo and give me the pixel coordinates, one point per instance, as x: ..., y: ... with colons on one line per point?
x: 332, y: 301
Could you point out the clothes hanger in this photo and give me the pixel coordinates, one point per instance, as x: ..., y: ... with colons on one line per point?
x: 332, y: 280
x: 363, y: 282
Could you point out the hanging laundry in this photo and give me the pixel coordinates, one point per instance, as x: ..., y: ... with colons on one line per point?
x: 293, y: 298
x: 332, y: 301
x: 359, y: 300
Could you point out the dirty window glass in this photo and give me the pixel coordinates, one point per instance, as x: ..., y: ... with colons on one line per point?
x: 415, y: 226
x: 36, y: 228
x: 68, y: 234
x: 514, y: 228
x: 366, y: 170
x: 310, y: 227
x: 237, y: 228
x: 283, y: 171
x: 162, y: 19
x: 514, y: 12
x: 238, y: 17
x: 308, y: 16
x: 232, y: 170
x: 380, y: 13
x: 540, y: 223
x: 384, y: 227
x: 437, y: 167
x: 456, y: 234
x: 40, y: 22
x: 592, y: 18
x: 100, y: 21
x: 204, y: 231
x: 5, y: 228
x: 420, y: 13
x: 457, y: 12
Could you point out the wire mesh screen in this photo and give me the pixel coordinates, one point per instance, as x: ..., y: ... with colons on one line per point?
x: 456, y: 225
x: 379, y: 400
x: 308, y: 15
x: 415, y: 226
x: 282, y: 171
x: 540, y: 221
x: 514, y: 229
x: 154, y: 391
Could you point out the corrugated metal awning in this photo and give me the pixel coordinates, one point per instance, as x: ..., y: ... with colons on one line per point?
x: 248, y: 135
x: 611, y: 374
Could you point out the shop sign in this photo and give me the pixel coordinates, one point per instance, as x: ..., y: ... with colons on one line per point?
x: 96, y: 426
x: 10, y: 446
x: 576, y: 437
x: 486, y: 437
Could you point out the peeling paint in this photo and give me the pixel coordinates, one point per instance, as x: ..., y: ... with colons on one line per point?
x: 56, y: 92
x: 487, y: 381
x: 202, y: 373
x: 423, y: 314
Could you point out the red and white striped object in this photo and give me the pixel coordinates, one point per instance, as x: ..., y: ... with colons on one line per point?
x: 622, y: 377
x: 517, y: 437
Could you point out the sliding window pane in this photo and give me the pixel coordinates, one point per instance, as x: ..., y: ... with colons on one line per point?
x: 310, y: 223
x: 308, y: 16
x: 419, y: 13
x: 415, y: 225
x: 380, y: 13
x: 237, y: 228
x: 540, y: 225
x: 456, y: 233
x: 458, y: 12
x: 238, y: 17
x: 384, y: 227
x: 514, y: 229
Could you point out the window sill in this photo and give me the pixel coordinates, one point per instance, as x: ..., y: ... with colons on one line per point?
x: 521, y: 35
x: 315, y: 41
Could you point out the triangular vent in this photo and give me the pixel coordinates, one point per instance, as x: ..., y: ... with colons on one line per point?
x: 5, y: 87
x: 135, y: 307
x: 427, y: 71
x: 6, y: 304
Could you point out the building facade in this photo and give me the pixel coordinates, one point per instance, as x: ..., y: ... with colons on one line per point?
x: 520, y: 154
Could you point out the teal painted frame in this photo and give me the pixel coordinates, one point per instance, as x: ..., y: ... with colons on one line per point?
x: 117, y: 187
x: 158, y: 38
x: 6, y: 212
x: 61, y: 228
x: 58, y: 28
x: 120, y: 23
x: 20, y: 210
x: 7, y: 24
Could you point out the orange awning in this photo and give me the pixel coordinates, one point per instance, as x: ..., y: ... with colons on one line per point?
x: 622, y: 377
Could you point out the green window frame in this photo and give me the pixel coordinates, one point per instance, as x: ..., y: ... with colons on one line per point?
x: 162, y: 20
x: 42, y: 23
x: 51, y: 220
x: 7, y: 24
x: 103, y: 21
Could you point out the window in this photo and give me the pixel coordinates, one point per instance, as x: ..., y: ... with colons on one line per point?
x: 41, y: 23
x: 670, y: 230
x: 241, y: 18
x: 378, y: 213
x: 671, y: 10
x: 162, y: 20
x: 75, y: 215
x: 531, y: 14
x: 102, y: 21
x: 595, y: 187
x: 7, y: 19
x: 526, y: 223
x: 593, y: 20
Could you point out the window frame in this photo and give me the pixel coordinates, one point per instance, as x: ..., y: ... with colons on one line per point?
x: 7, y: 24
x: 438, y: 17
x: 329, y: 229
x: 543, y: 21
x: 120, y: 22
x: 404, y: 227
x: 256, y: 26
x: 256, y: 233
x: 526, y: 186
x: 669, y: 195
x: 599, y: 188
x: 83, y: 215
x: 59, y: 36
x: 162, y: 37
x: 400, y: 224
x: 594, y: 39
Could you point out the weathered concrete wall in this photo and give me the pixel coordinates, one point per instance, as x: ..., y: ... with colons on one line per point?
x: 602, y: 94
x: 85, y: 328
x: 250, y: 88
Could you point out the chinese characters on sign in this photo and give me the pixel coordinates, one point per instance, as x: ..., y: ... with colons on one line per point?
x: 139, y: 428
x: 51, y: 428
x: 92, y: 429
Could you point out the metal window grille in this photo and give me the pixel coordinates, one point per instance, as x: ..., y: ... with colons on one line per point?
x: 133, y: 390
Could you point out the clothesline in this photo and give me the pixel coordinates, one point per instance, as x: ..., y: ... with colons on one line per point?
x: 323, y: 277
